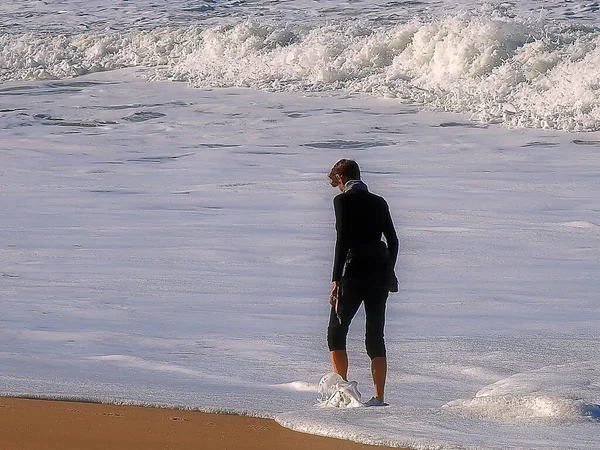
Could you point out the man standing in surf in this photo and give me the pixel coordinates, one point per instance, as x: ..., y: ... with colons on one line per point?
x: 363, y: 271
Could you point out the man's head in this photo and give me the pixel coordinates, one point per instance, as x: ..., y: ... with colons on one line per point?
x: 343, y: 171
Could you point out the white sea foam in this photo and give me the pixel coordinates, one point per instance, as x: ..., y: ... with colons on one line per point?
x: 536, y: 409
x: 335, y: 392
x: 559, y: 393
x: 301, y: 386
x: 581, y: 224
x: 498, y: 69
x: 525, y: 408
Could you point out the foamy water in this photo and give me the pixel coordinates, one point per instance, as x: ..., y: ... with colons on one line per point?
x: 169, y: 244
x: 497, y: 64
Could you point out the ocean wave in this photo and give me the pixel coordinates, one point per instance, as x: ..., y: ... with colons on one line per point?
x: 521, y: 73
x: 563, y: 394
x: 521, y: 409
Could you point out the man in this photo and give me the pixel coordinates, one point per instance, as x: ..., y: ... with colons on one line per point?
x: 363, y: 271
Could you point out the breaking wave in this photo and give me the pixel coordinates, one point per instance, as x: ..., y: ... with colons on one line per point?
x: 562, y: 394
x: 521, y: 73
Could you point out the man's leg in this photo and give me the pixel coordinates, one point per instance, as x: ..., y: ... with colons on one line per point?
x: 337, y: 331
x: 375, y: 322
x: 379, y: 372
x: 339, y: 361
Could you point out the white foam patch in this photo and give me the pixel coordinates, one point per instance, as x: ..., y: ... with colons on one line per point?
x: 140, y: 363
x: 581, y: 224
x: 471, y: 372
x: 576, y: 380
x: 300, y: 386
x: 345, y: 395
x: 525, y: 408
x: 561, y: 393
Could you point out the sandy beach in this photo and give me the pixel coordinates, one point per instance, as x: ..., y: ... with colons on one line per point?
x: 27, y: 424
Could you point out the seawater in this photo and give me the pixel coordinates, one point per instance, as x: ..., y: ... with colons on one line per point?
x: 169, y: 243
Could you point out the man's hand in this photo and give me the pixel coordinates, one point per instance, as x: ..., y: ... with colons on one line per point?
x: 334, y: 292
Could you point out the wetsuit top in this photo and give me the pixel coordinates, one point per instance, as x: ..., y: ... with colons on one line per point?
x: 361, y: 218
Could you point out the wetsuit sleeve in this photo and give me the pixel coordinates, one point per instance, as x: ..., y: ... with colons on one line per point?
x: 390, y: 236
x: 341, y: 241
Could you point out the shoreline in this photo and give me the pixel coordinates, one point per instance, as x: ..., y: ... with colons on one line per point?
x: 28, y: 423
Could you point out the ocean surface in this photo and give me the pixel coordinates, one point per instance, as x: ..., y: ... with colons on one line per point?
x: 167, y: 223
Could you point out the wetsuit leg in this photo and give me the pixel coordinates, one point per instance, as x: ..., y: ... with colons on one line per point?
x: 348, y: 304
x: 375, y: 301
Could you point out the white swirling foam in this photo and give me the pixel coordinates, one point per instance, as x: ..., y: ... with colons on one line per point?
x: 499, y: 69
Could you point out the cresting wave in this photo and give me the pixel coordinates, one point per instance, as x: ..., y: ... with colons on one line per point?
x: 500, y: 70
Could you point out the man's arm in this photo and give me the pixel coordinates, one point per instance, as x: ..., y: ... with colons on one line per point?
x: 390, y: 236
x: 341, y: 243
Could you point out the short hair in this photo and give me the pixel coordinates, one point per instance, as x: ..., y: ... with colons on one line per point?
x: 345, y: 167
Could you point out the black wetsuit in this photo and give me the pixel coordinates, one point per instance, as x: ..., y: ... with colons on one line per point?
x: 363, y: 265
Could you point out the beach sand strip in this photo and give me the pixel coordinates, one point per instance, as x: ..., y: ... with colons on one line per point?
x: 27, y: 424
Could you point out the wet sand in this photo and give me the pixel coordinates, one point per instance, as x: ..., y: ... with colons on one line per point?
x: 27, y: 424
